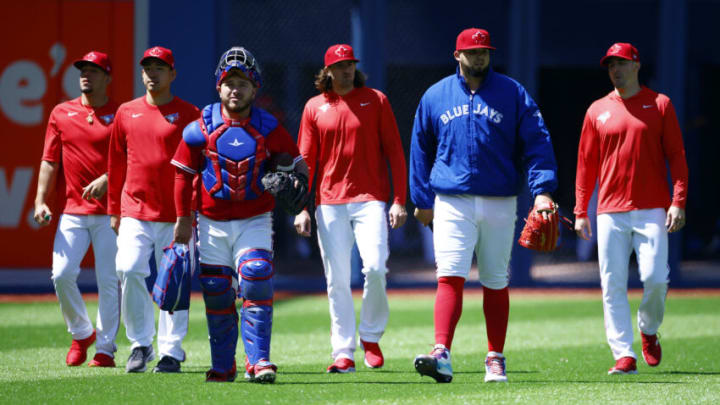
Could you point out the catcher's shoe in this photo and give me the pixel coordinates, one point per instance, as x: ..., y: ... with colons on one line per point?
x: 651, y: 350
x: 373, y: 355
x: 167, y: 364
x: 495, y: 367
x: 436, y: 364
x: 78, y: 350
x: 342, y: 365
x: 102, y: 360
x: 624, y: 365
x: 216, y: 376
x: 263, y: 372
x: 137, y: 362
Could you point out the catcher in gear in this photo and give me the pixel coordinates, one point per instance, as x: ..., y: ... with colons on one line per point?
x: 230, y: 149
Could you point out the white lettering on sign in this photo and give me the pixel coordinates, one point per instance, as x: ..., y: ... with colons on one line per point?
x: 13, y: 195
x: 22, y: 86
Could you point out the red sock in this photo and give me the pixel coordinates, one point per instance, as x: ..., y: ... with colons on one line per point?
x: 448, y: 308
x: 496, y: 306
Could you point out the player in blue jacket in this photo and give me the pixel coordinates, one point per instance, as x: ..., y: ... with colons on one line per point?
x: 477, y: 135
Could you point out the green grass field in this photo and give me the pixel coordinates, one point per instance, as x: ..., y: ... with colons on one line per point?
x: 555, y: 348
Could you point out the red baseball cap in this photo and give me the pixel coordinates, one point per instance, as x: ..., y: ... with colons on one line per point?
x: 338, y: 53
x: 98, y: 59
x: 473, y: 38
x: 621, y: 50
x: 158, y: 52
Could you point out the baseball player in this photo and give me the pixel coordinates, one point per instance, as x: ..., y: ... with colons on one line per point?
x: 144, y: 137
x: 74, y: 162
x: 229, y: 148
x: 477, y: 133
x: 627, y: 138
x: 348, y: 134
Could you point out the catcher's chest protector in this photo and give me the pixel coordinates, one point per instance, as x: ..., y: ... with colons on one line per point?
x: 234, y: 155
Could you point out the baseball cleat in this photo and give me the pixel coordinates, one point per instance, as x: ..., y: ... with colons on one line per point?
x: 137, y: 362
x: 263, y: 372
x: 342, y: 365
x: 495, y: 367
x: 624, y: 365
x: 216, y: 376
x: 102, y: 360
x: 167, y: 364
x: 373, y: 355
x: 651, y: 350
x: 436, y: 364
x: 78, y: 350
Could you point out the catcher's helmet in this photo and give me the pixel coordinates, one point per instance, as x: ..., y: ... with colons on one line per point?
x: 238, y: 57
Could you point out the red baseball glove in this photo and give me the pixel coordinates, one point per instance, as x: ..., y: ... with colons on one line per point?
x: 539, y: 233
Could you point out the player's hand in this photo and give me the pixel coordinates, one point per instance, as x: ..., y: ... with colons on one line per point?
x: 675, y: 219
x: 397, y: 216
x: 302, y: 224
x: 582, y: 228
x: 425, y: 216
x: 115, y: 223
x: 541, y: 199
x: 96, y: 189
x: 183, y: 230
x: 42, y: 214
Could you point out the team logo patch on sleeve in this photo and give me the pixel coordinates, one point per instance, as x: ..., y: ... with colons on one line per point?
x: 107, y: 119
x: 171, y: 118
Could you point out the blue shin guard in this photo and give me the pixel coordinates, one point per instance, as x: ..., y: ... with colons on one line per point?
x: 222, y: 317
x: 256, y: 289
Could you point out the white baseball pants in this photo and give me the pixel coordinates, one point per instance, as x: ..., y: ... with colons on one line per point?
x: 72, y: 239
x: 339, y: 226
x: 137, y: 241
x: 466, y: 224
x: 618, y: 235
x: 222, y: 243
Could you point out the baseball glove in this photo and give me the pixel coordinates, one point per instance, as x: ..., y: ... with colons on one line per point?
x: 282, y: 186
x: 539, y: 233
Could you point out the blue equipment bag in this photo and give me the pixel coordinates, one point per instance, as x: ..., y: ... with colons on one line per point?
x: 171, y: 291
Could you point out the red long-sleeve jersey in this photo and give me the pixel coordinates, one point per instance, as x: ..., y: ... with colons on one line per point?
x: 626, y: 143
x: 348, y: 141
x: 143, y: 140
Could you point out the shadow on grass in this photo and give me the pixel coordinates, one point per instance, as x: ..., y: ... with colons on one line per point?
x: 677, y: 372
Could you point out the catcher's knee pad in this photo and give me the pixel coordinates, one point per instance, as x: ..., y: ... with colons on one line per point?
x: 222, y: 317
x: 256, y: 271
x: 256, y: 328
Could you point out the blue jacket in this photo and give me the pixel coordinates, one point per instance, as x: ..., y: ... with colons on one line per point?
x: 483, y: 143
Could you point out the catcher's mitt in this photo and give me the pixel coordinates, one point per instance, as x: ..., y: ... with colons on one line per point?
x: 539, y: 233
x: 282, y: 186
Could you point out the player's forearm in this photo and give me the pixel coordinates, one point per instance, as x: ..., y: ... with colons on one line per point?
x: 46, y: 180
x: 182, y: 193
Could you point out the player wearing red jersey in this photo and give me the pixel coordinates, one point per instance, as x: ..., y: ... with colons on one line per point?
x: 627, y: 138
x: 144, y: 137
x: 230, y: 148
x: 74, y: 162
x: 348, y: 134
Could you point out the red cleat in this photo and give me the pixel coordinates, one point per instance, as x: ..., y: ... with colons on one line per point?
x: 342, y: 365
x: 373, y: 355
x: 216, y: 376
x: 652, y: 352
x: 102, y: 360
x: 78, y: 350
x: 624, y: 365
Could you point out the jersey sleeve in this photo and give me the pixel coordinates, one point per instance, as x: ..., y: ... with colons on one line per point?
x: 588, y: 165
x: 674, y: 150
x: 537, y: 151
x: 52, y: 149
x: 308, y: 141
x: 423, y: 149
x: 117, y: 164
x: 280, y: 141
x: 393, y: 150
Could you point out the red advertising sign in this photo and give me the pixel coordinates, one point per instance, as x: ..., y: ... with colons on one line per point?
x: 40, y: 41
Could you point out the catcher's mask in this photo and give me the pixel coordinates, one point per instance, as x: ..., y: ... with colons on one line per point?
x: 240, y: 58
